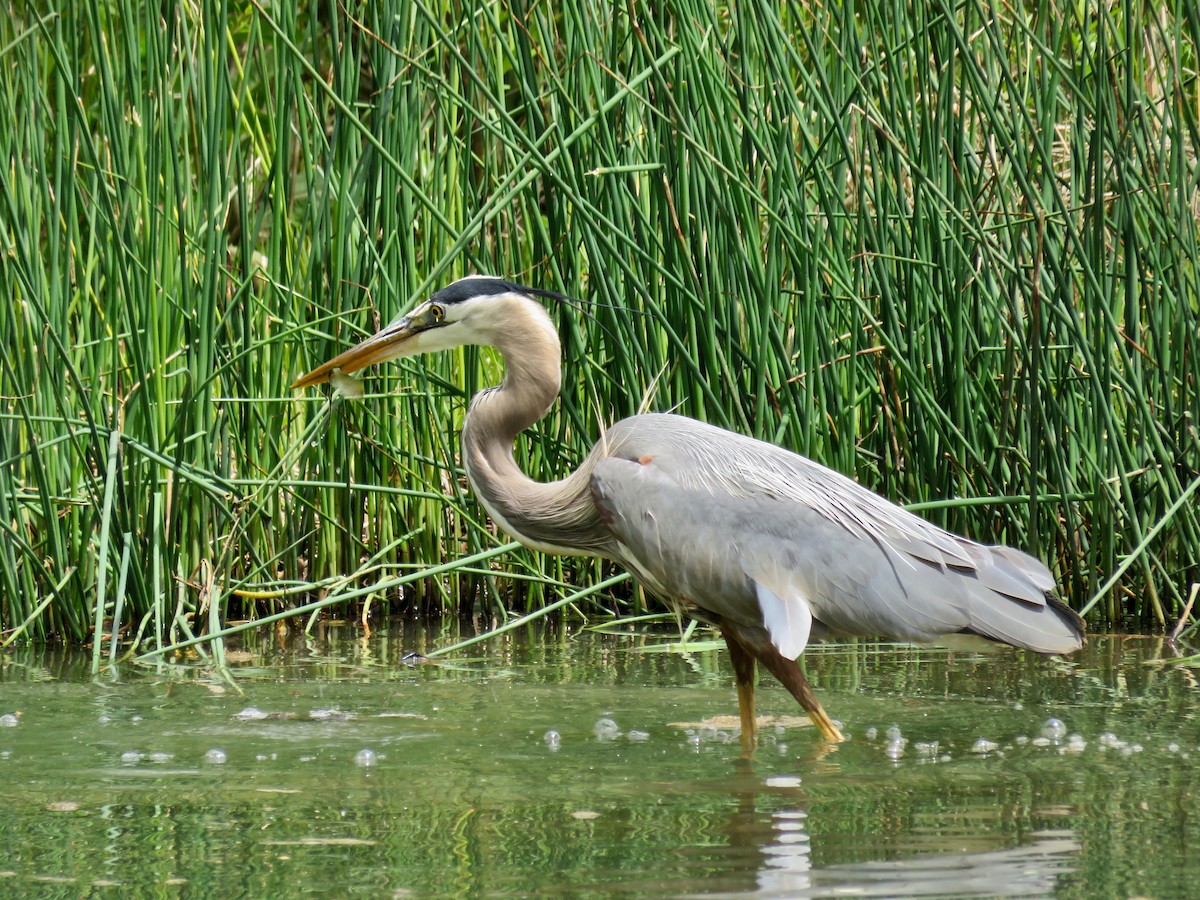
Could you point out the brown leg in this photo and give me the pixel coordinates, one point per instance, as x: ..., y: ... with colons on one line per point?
x: 743, y: 670
x: 789, y: 674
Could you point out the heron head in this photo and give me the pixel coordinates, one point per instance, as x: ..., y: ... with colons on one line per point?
x: 478, y: 309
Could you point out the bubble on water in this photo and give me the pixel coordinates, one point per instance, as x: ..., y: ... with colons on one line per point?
x: 1053, y: 729
x: 926, y: 748
x: 693, y: 740
x: 871, y: 733
x: 160, y: 757
x: 1041, y: 742
x: 637, y: 736
x: 553, y: 739
x: 1075, y: 744
x: 1172, y: 747
x: 8, y: 720
x: 894, y: 749
x: 1018, y: 706
x: 250, y: 714
x: 104, y: 720
x: 1135, y: 748
x: 783, y: 781
x: 1021, y: 740
x: 708, y: 732
x: 366, y: 757
x: 216, y: 756
x: 983, y: 745
x: 781, y: 748
x: 260, y: 757
x: 893, y: 733
x: 131, y: 757
x: 605, y: 729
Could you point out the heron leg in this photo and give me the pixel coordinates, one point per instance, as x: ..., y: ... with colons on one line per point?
x: 791, y: 677
x: 743, y: 671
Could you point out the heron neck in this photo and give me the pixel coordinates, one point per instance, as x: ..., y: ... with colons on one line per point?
x: 553, y: 517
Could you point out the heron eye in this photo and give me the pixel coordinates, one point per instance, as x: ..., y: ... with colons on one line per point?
x: 438, y: 313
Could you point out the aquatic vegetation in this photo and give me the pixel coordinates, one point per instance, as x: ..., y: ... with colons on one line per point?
x: 951, y: 254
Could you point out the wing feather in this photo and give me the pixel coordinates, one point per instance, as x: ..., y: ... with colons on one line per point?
x: 752, y: 532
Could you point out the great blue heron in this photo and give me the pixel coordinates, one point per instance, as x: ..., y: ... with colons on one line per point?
x: 768, y: 546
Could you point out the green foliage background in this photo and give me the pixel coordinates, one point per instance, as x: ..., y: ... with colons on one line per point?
x: 947, y: 248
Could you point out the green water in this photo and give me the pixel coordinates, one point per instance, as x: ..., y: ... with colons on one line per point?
x: 369, y: 778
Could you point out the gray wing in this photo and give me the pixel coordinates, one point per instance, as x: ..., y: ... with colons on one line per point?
x: 751, y: 532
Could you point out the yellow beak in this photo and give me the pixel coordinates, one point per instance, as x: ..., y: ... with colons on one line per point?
x: 386, y: 344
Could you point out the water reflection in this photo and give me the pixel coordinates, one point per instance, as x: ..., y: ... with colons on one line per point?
x: 1031, y: 870
x: 550, y: 765
x: 783, y: 844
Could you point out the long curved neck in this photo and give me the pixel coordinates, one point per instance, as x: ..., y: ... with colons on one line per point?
x: 553, y: 517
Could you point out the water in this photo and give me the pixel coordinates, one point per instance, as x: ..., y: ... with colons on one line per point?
x: 550, y: 765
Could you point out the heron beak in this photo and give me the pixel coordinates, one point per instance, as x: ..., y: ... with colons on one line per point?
x: 388, y: 343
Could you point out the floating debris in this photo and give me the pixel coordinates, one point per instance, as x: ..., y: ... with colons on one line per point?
x: 329, y: 715
x: 412, y: 658
x: 1075, y: 744
x: 734, y: 724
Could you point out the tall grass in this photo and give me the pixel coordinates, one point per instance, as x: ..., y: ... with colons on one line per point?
x: 946, y: 248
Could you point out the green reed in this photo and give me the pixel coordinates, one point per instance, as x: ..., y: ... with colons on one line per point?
x: 949, y: 250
